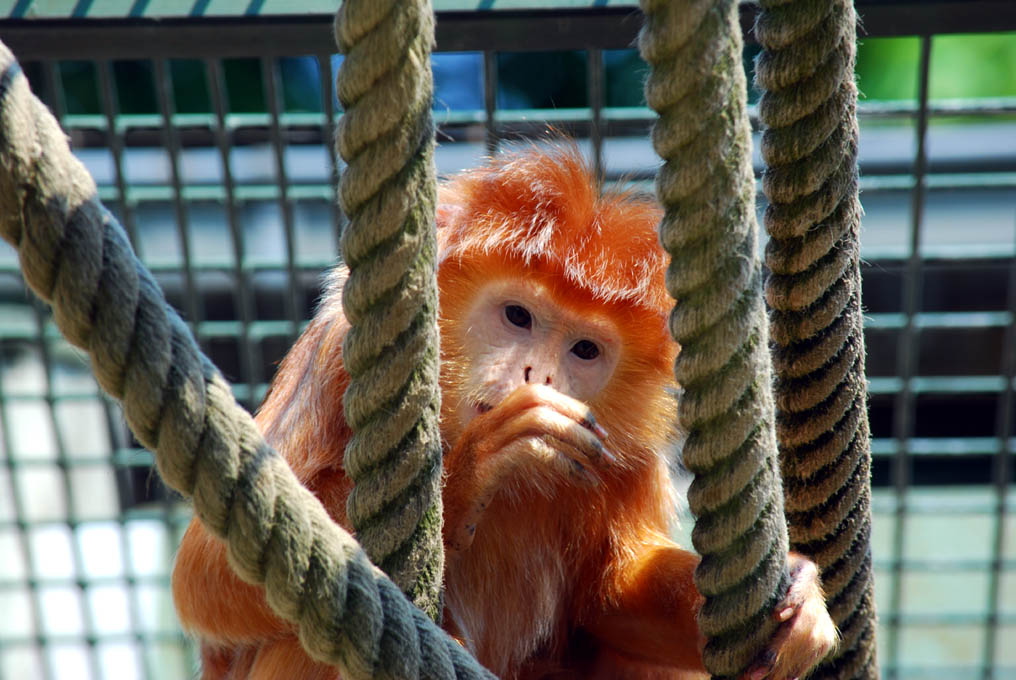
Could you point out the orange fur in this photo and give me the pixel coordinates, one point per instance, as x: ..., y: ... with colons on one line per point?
x: 561, y: 579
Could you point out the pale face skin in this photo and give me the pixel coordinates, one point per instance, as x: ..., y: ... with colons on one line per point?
x: 534, y: 367
x: 518, y: 334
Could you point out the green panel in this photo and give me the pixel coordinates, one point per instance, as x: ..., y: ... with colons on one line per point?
x: 965, y: 66
x: 887, y: 68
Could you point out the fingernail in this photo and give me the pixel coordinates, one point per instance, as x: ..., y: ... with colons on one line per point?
x: 786, y: 614
x: 585, y: 473
x: 611, y: 458
x: 582, y: 471
x: 590, y: 424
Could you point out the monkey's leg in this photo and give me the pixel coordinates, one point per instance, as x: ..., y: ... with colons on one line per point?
x: 652, y: 616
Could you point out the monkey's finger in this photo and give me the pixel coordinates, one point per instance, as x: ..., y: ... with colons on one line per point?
x: 572, y: 408
x: 530, y: 396
x: 590, y: 423
x: 762, y: 669
x: 547, y: 422
x: 572, y: 462
x: 559, y: 457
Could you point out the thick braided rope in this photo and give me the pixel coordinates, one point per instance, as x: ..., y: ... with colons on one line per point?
x: 387, y: 190
x: 76, y: 257
x: 810, y: 147
x: 697, y: 85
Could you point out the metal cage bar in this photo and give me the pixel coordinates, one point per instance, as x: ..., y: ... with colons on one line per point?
x: 1002, y: 478
x: 270, y: 73
x: 245, y: 305
x: 904, y: 407
x: 115, y: 143
x: 167, y: 107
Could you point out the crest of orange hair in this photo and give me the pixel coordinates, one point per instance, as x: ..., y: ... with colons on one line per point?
x: 540, y: 207
x: 537, y: 213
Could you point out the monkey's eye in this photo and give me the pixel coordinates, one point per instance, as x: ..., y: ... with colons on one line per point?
x: 518, y: 316
x: 585, y: 349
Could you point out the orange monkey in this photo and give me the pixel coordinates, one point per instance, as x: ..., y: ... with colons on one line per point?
x: 557, y: 411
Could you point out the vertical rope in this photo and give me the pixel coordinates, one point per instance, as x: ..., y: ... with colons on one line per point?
x: 706, y: 185
x: 386, y: 138
x: 810, y: 147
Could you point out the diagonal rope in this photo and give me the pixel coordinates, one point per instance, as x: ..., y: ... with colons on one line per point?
x: 76, y: 257
x: 387, y: 190
x: 706, y: 186
x: 810, y: 147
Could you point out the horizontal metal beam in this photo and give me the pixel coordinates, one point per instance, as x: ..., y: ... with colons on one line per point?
x: 506, y: 30
x: 888, y: 18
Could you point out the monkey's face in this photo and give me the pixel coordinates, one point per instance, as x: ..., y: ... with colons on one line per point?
x: 519, y: 332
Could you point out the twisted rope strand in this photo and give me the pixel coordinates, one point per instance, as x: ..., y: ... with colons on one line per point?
x: 697, y: 86
x: 75, y: 256
x: 810, y: 147
x: 387, y: 190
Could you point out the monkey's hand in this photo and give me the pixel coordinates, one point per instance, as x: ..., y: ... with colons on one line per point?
x: 806, y: 633
x: 534, y: 426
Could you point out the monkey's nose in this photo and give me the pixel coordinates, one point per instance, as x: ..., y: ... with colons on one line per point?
x: 527, y: 374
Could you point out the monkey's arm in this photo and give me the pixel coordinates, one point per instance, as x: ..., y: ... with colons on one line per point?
x: 652, y: 616
x: 211, y: 600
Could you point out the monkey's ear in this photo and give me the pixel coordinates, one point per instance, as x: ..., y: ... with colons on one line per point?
x: 447, y: 214
x: 451, y: 204
x: 447, y: 217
